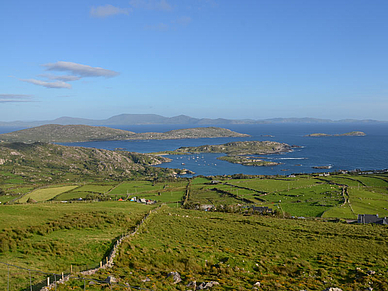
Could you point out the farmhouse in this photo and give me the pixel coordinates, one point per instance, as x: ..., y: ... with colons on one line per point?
x: 371, y: 218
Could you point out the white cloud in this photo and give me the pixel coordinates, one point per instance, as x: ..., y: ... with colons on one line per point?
x: 80, y: 70
x: 7, y: 98
x: 151, y: 4
x: 67, y: 78
x: 108, y: 10
x: 56, y: 84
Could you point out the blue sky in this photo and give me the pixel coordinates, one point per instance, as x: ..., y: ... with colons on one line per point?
x: 203, y: 58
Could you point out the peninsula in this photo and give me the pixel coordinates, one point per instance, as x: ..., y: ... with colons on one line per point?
x: 54, y: 133
x: 240, y: 152
x: 52, y: 163
x: 352, y: 133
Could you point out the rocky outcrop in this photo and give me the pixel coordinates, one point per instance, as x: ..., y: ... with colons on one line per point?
x: 207, y: 285
x: 176, y: 277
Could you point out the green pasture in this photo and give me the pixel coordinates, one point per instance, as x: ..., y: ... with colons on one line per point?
x: 340, y: 211
x: 238, y: 251
x: 45, y: 193
x: 136, y: 187
x: 53, y: 236
x: 6, y: 198
x: 203, y: 194
x: 371, y: 181
x: 16, y: 190
x: 95, y: 188
x: 84, y: 191
x: 275, y: 184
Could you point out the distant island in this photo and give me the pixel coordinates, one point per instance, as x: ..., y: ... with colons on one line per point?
x: 55, y: 133
x: 352, y: 133
x: 239, y: 152
x: 150, y: 119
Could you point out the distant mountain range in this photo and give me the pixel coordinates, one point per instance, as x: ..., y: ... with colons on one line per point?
x: 151, y: 119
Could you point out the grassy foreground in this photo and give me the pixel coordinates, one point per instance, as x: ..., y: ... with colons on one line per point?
x: 55, y: 237
x: 229, y: 246
x: 237, y: 251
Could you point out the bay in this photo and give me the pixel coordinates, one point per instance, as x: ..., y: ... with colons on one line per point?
x: 341, y: 153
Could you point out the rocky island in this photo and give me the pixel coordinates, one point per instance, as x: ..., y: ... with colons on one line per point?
x: 240, y: 152
x: 54, y: 133
x: 352, y: 133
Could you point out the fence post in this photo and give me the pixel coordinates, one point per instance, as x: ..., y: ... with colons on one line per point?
x: 48, y: 281
x: 55, y: 281
x: 30, y: 280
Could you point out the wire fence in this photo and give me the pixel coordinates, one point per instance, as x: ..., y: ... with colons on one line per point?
x: 20, y: 278
x: 13, y: 277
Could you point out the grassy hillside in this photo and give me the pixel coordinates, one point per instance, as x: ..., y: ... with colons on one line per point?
x: 65, y: 133
x: 237, y: 251
x: 49, y: 163
x: 229, y: 244
x: 55, y: 236
x: 81, y: 133
x: 198, y: 132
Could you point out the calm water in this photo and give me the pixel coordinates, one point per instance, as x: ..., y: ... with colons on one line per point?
x: 346, y: 153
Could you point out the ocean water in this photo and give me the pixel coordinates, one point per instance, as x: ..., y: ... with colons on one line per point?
x: 341, y: 153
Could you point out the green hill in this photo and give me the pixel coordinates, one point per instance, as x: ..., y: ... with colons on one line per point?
x: 65, y: 133
x: 39, y: 162
x: 82, y: 133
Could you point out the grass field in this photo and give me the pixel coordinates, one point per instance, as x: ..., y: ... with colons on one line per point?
x: 45, y: 193
x: 84, y: 191
x: 54, y: 236
x: 238, y: 251
x: 235, y: 249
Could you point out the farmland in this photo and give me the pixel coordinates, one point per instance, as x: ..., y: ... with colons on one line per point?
x: 238, y: 251
x: 228, y: 244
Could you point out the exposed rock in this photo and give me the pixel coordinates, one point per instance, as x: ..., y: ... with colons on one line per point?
x: 192, y: 284
x: 371, y: 272
x: 256, y: 285
x: 207, y: 285
x: 146, y: 280
x: 175, y: 276
x: 332, y: 289
x: 110, y: 280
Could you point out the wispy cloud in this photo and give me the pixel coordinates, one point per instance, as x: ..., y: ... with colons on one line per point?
x: 8, y: 98
x: 108, y: 10
x: 56, y: 84
x: 67, y: 78
x: 162, y: 5
x: 80, y: 70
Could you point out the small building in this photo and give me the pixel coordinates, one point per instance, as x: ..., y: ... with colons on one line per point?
x: 262, y: 209
x: 371, y: 218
